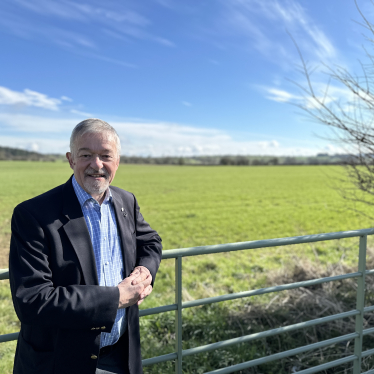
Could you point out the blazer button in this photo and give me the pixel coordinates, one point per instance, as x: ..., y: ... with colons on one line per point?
x: 97, y: 328
x: 94, y: 357
x: 93, y: 328
x: 103, y: 328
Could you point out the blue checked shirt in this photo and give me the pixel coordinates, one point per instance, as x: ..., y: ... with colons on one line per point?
x: 106, y: 243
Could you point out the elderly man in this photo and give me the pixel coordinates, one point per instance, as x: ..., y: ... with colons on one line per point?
x: 82, y: 259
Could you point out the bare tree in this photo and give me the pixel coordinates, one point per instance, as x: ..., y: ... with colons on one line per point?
x: 351, y: 121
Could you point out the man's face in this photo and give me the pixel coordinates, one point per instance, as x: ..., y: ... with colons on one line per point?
x: 95, y: 163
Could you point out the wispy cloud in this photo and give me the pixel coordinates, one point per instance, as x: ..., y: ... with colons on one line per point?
x: 251, y: 18
x: 186, y: 103
x: 80, y: 113
x: 164, y: 41
x: 78, y: 26
x: 327, y: 94
x: 98, y: 12
x: 28, y: 98
x: 23, y: 102
x: 281, y: 96
x: 45, y: 31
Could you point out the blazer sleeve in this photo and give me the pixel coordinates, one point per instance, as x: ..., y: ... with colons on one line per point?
x: 148, y: 244
x: 37, y: 300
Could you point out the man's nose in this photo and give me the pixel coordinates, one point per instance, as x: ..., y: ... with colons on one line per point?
x: 96, y: 162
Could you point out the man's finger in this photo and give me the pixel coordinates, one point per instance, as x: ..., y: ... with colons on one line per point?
x: 143, y: 269
x: 147, y: 281
x: 146, y: 292
x: 133, y: 275
x: 140, y: 278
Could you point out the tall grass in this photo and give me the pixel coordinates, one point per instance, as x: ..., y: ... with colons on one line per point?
x: 217, y: 322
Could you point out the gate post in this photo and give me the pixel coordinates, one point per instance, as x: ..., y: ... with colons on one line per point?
x: 360, y: 304
x: 178, y: 314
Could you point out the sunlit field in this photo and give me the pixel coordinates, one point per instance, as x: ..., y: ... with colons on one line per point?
x: 194, y: 206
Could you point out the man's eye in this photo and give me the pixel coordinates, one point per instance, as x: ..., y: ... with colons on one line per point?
x: 85, y: 156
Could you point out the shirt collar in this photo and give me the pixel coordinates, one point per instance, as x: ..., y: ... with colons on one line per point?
x: 83, y: 196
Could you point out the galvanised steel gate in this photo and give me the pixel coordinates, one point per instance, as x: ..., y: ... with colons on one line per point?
x: 178, y: 306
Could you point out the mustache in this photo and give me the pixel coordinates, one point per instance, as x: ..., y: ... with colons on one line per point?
x: 102, y: 171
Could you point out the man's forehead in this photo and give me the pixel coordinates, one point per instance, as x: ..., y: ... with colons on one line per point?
x: 96, y: 140
x: 88, y: 149
x: 97, y: 143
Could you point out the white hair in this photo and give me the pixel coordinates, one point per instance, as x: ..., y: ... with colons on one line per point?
x: 93, y: 126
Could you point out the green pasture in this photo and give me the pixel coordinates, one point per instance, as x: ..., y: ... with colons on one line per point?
x: 194, y: 206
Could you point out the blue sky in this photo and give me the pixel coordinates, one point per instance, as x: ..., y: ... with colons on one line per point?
x: 173, y: 77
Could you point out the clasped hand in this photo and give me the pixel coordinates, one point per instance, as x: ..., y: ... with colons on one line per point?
x: 135, y: 288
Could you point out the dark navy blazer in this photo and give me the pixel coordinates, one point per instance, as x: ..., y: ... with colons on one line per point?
x: 54, y: 283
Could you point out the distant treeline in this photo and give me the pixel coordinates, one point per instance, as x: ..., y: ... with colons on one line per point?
x: 15, y: 154
x: 320, y: 159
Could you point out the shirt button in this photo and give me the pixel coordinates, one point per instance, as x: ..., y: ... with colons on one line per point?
x: 104, y: 238
x: 106, y: 263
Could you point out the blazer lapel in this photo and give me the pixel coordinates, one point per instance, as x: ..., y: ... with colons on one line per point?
x: 123, y: 224
x: 77, y: 232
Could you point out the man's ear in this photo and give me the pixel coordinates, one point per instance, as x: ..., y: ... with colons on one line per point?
x: 69, y: 156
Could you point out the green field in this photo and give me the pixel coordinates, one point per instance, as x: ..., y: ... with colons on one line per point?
x: 193, y: 206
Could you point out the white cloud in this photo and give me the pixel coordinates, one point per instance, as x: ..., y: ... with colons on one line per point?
x: 333, y: 149
x: 34, y: 147
x: 65, y: 98
x: 37, y: 125
x: 268, y: 145
x: 281, y: 95
x: 186, y: 103
x: 28, y: 98
x: 83, y: 114
x: 51, y: 135
x: 274, y: 144
x: 158, y: 139
x: 36, y: 144
x: 326, y: 94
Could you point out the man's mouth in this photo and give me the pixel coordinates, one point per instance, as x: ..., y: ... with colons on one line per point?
x: 96, y: 175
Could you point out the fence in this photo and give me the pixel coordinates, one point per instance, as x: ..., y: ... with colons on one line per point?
x: 178, y: 306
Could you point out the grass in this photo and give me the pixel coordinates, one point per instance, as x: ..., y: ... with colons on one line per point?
x: 192, y: 206
x: 217, y: 322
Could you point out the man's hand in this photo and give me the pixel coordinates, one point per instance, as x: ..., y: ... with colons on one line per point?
x: 144, y: 272
x: 134, y: 288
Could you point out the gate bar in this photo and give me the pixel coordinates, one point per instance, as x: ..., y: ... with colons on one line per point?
x: 278, y: 356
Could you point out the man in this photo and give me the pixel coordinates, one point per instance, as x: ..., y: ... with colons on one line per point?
x: 81, y: 260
